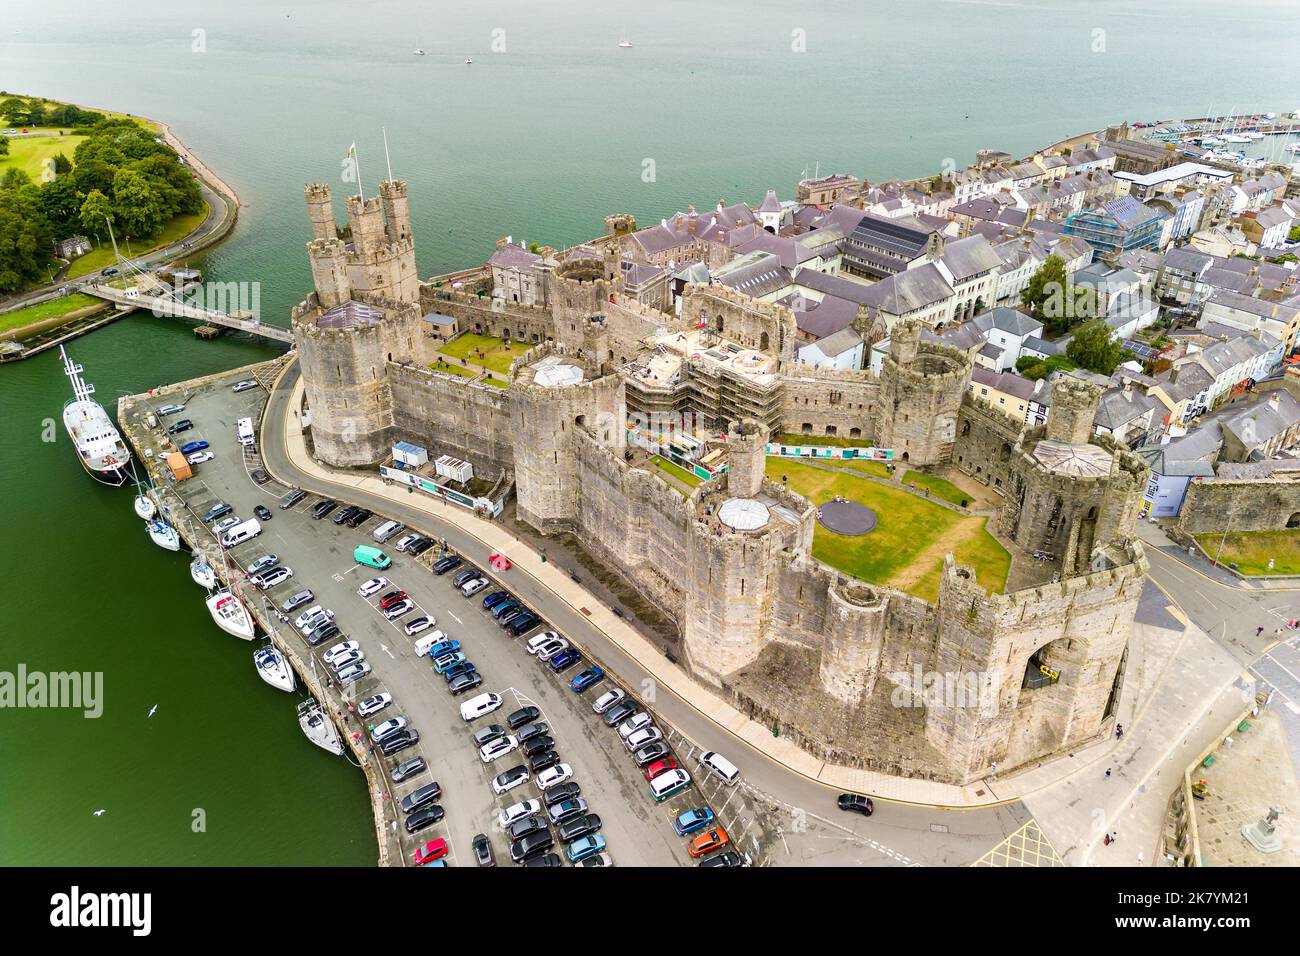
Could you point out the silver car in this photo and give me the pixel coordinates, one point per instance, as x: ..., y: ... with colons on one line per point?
x: 354, y: 672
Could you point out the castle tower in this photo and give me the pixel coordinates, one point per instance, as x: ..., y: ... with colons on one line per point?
x: 1073, y: 408
x: 329, y: 270
x: 853, y: 641
x: 921, y: 389
x: 582, y: 288
x: 320, y: 211
x: 366, y: 217
x: 397, y: 210
x: 746, y: 458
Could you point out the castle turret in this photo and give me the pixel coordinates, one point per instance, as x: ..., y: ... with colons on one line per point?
x: 921, y: 389
x: 320, y: 211
x: 1073, y: 408
x: 746, y: 458
x: 580, y: 289
x: 329, y: 271
x: 397, y: 210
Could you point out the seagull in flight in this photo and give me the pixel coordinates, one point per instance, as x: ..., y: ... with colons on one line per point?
x: 99, y: 813
x: 153, y: 710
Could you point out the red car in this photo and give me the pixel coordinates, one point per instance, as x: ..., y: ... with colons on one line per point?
x: 659, y: 766
x: 433, y: 850
x: 391, y: 598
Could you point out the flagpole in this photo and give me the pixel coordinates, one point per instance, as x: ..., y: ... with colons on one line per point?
x: 387, y: 159
x: 356, y: 161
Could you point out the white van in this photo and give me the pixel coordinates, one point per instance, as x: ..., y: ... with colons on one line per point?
x: 244, y: 531
x: 244, y: 429
x: 423, y: 644
x: 386, y: 531
x: 476, y: 707
x: 722, y: 768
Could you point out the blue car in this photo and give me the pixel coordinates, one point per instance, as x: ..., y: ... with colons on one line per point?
x: 690, y: 821
x: 192, y: 446
x: 504, y: 607
x: 443, y: 647
x: 564, y: 660
x: 586, y: 679
x: 584, y: 847
x: 495, y: 598
x: 447, y: 662
x: 452, y: 673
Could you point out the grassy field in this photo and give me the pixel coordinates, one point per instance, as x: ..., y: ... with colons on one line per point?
x: 496, y: 382
x: 864, y: 465
x: 938, y: 487
x: 830, y: 441
x: 681, y: 474
x: 45, y: 310
x: 907, y: 548
x: 496, y: 355
x: 1251, y: 551
x: 455, y: 370
x: 30, y: 154
x: 102, y: 255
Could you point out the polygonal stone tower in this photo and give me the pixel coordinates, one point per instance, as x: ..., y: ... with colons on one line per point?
x: 921, y: 389
x: 1073, y: 408
x: 746, y: 457
x: 581, y: 289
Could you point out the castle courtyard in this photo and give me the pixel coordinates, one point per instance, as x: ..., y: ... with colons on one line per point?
x: 912, y: 534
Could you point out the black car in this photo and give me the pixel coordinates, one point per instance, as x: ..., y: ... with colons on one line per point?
x: 505, y: 619
x: 424, y: 818
x: 419, y: 547
x: 522, y: 716
x: 327, y: 631
x: 345, y: 514
x: 569, y: 790
x: 183, y: 425
x: 533, y: 823
x: 467, y: 575
x: 580, y: 827
x: 263, y: 512
x: 451, y: 673
x: 619, y: 713
x: 363, y: 515
x: 449, y: 563
x: 292, y: 498
x: 655, y: 750
x: 482, y: 847
x: 529, y: 731
x: 533, y: 845
x: 259, y: 476
x: 522, y: 623
x: 856, y: 803
x: 321, y: 508
x: 729, y: 858
x: 465, y: 682
x: 543, y: 761
x: 549, y: 860
x: 216, y: 512
x: 538, y: 744
x: 421, y: 797
x: 408, y: 769
x: 399, y: 742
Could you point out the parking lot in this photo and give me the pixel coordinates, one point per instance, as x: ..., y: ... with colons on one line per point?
x: 637, y: 831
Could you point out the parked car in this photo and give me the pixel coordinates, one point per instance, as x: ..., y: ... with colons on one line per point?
x: 595, y: 860
x: 562, y: 661
x: 467, y: 575
x: 399, y: 741
x: 183, y: 425
x: 526, y: 827
x: 374, y: 704
x: 339, y: 651
x: 608, y: 699
x: 391, y: 598
x: 729, y: 858
x: 643, y: 737
x: 297, y: 600
x: 482, y: 848
x: 580, y: 827
x: 373, y: 586
x: 856, y: 803
x: 359, y: 518
x: 448, y: 661
x: 443, y: 565
x: 464, y: 667
x: 495, y: 598
x: 585, y: 847
x: 346, y: 660
x: 291, y: 498
x: 546, y: 645
x: 441, y: 648
x: 199, y: 457
x: 507, y: 780
x: 264, y: 562
x: 661, y: 765
x: 424, y: 818
x: 263, y: 512
x: 219, y: 510
x: 532, y: 731
x: 522, y: 624
x: 430, y: 852
x: 170, y: 410
x: 421, y: 797
x: 321, y: 508
x: 655, y: 750
x: 408, y: 769
x: 532, y: 846
x: 553, y: 775
x: 419, y: 547
x: 543, y: 760
x: 586, y: 679
x: 326, y: 632
x: 619, y: 713
x: 463, y: 682
x: 244, y: 385
x: 193, y: 446
x: 269, y: 579
x: 485, y: 735
x: 405, y: 541
x: 398, y: 609
x: 495, y: 749
x: 637, y: 721
x: 259, y: 476
x: 517, y: 812
x: 353, y: 672
x: 693, y: 820
x: 417, y: 624
x: 522, y: 716
x: 472, y: 587
x: 344, y: 514
x: 561, y: 792
x: 566, y: 810
x: 225, y: 524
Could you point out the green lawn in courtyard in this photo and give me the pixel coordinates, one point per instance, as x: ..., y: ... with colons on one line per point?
x: 938, y: 487
x: 496, y: 356
x: 455, y: 370
x: 912, y: 535
x: 864, y: 465
x: 1251, y: 551
x: 681, y: 474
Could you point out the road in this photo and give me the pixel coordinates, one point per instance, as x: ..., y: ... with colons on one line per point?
x: 797, y: 815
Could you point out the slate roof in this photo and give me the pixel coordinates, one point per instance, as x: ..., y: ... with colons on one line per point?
x: 910, y: 290
x: 1012, y: 321
x: 970, y: 257
x: 511, y: 256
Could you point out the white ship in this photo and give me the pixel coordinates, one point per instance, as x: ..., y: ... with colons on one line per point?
x: 203, y: 574
x: 318, y: 728
x: 274, y: 669
x: 100, y: 448
x: 164, y: 535
x: 231, y: 615
x: 418, y: 52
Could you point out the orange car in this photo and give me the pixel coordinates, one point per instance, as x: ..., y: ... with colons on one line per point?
x: 708, y: 841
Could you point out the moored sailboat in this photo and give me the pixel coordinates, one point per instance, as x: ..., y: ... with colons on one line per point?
x: 318, y: 728
x: 203, y: 574
x: 231, y: 615
x: 274, y: 669
x: 164, y: 535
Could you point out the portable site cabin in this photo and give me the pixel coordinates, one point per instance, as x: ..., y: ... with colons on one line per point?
x: 454, y: 469
x: 180, y: 468
x: 409, y: 455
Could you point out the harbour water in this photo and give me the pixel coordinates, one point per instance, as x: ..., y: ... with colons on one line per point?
x: 541, y: 141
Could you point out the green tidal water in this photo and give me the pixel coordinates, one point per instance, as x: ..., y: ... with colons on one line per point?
x: 539, y: 141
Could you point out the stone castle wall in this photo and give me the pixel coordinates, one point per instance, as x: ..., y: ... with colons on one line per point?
x: 1240, y: 504
x: 830, y: 402
x: 450, y: 416
x: 986, y: 442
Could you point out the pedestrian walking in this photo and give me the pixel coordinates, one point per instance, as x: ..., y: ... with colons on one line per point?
x: 993, y: 768
x: 1119, y: 731
x: 1114, y: 836
x: 1108, y: 773
x: 1140, y: 863
x: 1259, y: 630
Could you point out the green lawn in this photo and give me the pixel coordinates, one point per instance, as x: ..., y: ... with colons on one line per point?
x: 496, y: 382
x: 102, y: 255
x: 1251, y: 551
x: 681, y: 474
x: 455, y: 370
x: 907, y: 548
x: 496, y: 356
x: 832, y: 441
x: 31, y: 153
x: 46, y: 310
x: 865, y: 465
x: 938, y: 487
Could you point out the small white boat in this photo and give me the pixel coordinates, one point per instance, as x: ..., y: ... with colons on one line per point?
x: 418, y: 52
x: 1254, y: 134
x: 144, y: 507
x: 625, y: 43
x: 1236, y: 138
x: 318, y: 728
x: 274, y: 669
x: 164, y: 535
x: 231, y: 615
x: 1293, y: 148
x: 469, y: 59
x: 203, y: 574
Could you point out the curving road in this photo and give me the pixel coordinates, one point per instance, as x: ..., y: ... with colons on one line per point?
x: 812, y: 831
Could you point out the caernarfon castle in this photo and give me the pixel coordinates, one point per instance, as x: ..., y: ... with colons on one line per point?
x: 793, y: 642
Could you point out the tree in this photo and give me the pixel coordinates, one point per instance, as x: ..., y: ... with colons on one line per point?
x: 1051, y: 274
x: 96, y: 211
x: 4, y: 145
x: 137, y: 205
x: 25, y: 238
x: 1095, y: 347
x: 62, y: 165
x: 1053, y: 300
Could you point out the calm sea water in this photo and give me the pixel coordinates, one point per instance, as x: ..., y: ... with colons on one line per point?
x: 552, y: 127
